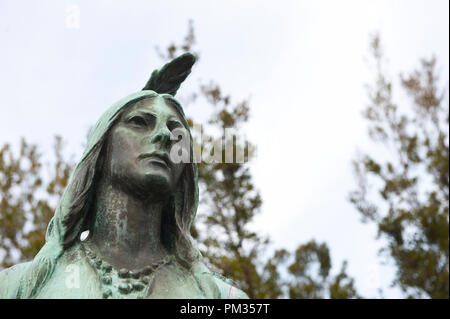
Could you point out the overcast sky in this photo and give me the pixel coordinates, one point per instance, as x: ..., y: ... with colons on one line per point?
x: 301, y: 64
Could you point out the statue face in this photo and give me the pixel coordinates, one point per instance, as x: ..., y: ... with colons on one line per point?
x: 139, y: 146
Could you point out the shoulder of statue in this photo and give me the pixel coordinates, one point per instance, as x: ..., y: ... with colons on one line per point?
x: 10, y: 279
x: 223, y: 287
x: 227, y: 288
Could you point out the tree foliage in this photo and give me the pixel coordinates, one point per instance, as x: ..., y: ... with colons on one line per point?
x: 309, y: 274
x: 27, y: 200
x: 406, y: 193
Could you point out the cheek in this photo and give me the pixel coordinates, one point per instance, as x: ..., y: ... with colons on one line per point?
x: 122, y: 153
x: 177, y: 171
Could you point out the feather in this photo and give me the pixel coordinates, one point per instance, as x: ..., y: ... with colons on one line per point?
x: 169, y: 78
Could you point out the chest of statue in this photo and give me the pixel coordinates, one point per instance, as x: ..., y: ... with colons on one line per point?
x: 79, y: 276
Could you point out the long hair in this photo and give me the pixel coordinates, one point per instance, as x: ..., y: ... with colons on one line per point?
x: 73, y: 212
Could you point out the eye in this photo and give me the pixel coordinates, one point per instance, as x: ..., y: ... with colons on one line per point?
x: 137, y: 120
x: 171, y: 125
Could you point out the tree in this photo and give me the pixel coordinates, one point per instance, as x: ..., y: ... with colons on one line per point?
x: 27, y: 200
x: 230, y: 201
x: 307, y: 284
x: 406, y: 193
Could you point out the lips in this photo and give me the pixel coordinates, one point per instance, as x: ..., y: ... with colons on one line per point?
x: 158, y: 157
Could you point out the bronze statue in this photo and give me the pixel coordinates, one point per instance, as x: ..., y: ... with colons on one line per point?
x: 136, y: 200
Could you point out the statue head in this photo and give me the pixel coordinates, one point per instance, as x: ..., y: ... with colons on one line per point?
x: 132, y: 145
x: 138, y: 157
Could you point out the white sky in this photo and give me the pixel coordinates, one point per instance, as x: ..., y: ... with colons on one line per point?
x: 301, y: 63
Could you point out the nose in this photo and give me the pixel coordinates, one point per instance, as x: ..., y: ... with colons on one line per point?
x: 161, y: 136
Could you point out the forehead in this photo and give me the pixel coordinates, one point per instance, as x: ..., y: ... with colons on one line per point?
x: 158, y: 106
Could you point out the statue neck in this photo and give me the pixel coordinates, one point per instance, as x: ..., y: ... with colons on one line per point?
x: 126, y: 230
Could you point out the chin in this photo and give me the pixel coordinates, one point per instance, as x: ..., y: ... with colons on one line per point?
x: 157, y: 183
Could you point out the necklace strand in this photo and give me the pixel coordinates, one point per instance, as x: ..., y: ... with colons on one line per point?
x: 124, y: 281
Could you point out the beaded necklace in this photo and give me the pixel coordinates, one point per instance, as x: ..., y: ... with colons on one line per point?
x: 124, y: 282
